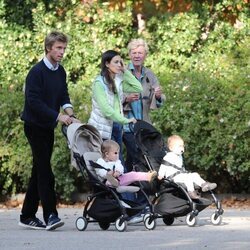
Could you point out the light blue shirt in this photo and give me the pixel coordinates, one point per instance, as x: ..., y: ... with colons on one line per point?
x: 136, y: 106
x: 50, y: 65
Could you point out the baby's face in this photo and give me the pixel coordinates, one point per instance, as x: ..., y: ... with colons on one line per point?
x: 177, y: 147
x: 113, y: 154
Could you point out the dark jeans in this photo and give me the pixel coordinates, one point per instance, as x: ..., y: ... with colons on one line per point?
x: 132, y: 151
x: 132, y: 159
x: 117, y: 136
x: 42, y: 181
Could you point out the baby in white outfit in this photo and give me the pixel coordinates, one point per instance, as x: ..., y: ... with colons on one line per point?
x: 172, y: 168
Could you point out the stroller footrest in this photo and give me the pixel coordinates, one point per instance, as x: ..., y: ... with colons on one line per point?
x: 129, y: 189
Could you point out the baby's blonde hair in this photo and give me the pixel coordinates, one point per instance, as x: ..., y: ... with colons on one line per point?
x: 135, y: 43
x: 172, y: 139
x: 108, y: 145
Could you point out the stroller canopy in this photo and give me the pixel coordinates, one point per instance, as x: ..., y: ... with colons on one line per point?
x: 83, y: 138
x: 149, y: 140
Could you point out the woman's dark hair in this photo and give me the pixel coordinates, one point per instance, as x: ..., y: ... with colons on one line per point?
x: 106, y: 58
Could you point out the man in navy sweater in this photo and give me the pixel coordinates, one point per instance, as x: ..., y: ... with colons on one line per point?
x: 45, y: 92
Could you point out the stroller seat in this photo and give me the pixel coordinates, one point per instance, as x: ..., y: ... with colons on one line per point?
x: 93, y: 157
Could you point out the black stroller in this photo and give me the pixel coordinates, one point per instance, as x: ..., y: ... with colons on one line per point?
x: 105, y: 205
x: 170, y: 200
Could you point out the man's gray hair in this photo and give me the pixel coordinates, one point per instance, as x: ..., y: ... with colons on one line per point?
x: 135, y: 43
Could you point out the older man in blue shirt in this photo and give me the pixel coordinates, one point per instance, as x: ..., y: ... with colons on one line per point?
x: 139, y: 106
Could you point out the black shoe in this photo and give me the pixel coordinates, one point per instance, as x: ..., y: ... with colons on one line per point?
x: 33, y: 223
x: 54, y: 222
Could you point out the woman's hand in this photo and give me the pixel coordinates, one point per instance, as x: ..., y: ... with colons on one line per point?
x: 123, y: 68
x: 132, y: 97
x: 132, y: 120
x: 111, y: 172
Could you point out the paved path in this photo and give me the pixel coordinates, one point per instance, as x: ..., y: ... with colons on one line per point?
x: 233, y: 233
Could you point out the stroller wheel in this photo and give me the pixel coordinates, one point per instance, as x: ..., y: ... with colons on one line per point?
x: 81, y: 223
x: 104, y: 225
x: 216, y: 219
x: 146, y: 215
x: 191, y: 220
x: 168, y: 220
x: 120, y: 225
x: 149, y: 221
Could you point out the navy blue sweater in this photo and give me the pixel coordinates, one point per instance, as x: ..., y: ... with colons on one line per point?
x: 45, y: 92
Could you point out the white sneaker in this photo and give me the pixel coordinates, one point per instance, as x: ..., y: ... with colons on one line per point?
x: 136, y: 219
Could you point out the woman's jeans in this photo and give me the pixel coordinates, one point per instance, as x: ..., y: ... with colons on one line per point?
x: 117, y: 136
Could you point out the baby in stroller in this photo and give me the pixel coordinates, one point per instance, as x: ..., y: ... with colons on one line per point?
x: 173, y: 169
x: 105, y: 204
x: 111, y: 169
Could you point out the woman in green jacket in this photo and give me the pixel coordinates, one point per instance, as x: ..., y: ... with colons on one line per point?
x: 108, y: 87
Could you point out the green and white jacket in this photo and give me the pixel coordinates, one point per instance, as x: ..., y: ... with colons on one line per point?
x: 107, y: 106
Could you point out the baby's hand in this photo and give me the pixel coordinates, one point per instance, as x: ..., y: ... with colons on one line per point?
x: 110, y: 172
x: 116, y: 174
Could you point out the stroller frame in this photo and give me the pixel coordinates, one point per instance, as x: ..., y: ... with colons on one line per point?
x: 122, y: 221
x: 191, y: 218
x: 195, y: 206
x: 107, y: 193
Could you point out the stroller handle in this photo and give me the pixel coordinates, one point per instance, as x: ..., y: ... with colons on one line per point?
x: 64, y: 129
x: 131, y: 126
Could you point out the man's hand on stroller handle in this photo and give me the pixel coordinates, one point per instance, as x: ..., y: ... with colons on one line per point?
x: 75, y: 120
x: 66, y: 119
